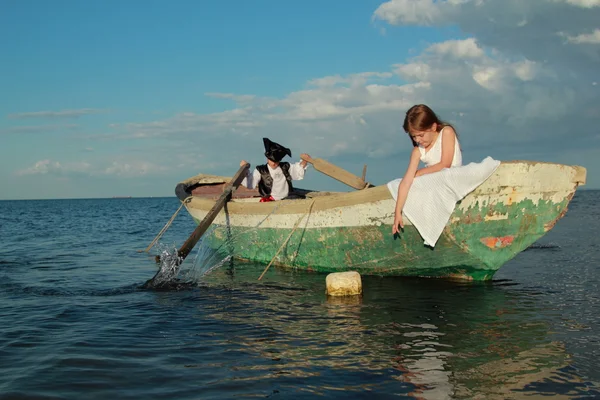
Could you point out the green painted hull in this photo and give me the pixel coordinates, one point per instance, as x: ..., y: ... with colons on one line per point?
x: 469, y: 248
x: 352, y: 232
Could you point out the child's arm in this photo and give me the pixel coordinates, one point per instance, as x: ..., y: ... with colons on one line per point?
x: 448, y: 145
x: 404, y: 187
x: 297, y: 169
x: 251, y: 180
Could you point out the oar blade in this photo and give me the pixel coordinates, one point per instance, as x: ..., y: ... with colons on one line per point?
x: 336, y: 172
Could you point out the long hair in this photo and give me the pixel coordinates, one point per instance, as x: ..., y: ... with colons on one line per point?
x: 420, y: 118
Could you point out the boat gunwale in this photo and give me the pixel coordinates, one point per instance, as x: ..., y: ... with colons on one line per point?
x: 334, y: 200
x: 296, y: 206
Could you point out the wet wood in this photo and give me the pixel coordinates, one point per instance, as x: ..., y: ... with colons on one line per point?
x: 336, y: 172
x: 214, y: 190
x: 216, y: 208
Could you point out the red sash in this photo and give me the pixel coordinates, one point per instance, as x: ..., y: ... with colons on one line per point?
x: 265, y: 199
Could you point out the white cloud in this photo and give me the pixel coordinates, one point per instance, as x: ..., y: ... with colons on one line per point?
x: 515, y: 75
x: 488, y: 77
x: 418, y: 71
x: 467, y: 48
x: 496, y: 100
x: 343, y: 110
x: 362, y: 113
x: 49, y: 167
x: 37, y: 128
x: 422, y: 12
x: 515, y: 28
x: 231, y: 96
x: 126, y: 169
x: 352, y: 80
x: 584, y: 38
x: 132, y: 169
x: 525, y: 70
x: 56, y: 114
x: 457, y: 63
x: 582, y: 3
x: 512, y: 86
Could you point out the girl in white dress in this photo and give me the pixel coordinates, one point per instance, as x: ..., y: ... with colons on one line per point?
x: 435, y: 143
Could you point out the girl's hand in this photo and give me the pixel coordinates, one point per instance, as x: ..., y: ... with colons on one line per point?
x: 243, y: 162
x: 397, y: 222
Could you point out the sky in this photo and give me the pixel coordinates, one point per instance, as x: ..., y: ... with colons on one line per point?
x: 128, y: 98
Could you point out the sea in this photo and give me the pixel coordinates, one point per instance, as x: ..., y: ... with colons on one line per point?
x: 77, y: 320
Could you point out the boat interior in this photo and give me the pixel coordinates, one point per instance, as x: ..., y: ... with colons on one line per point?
x: 211, y: 187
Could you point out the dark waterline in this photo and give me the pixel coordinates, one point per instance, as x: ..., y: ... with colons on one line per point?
x: 76, y: 323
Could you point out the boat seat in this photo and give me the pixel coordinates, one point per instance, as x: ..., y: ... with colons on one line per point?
x: 320, y: 194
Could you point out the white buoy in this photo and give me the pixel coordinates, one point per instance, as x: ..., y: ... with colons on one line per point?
x: 343, y: 284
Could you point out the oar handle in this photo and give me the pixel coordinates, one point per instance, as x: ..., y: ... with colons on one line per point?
x: 336, y: 172
x: 212, y: 213
x: 307, y: 158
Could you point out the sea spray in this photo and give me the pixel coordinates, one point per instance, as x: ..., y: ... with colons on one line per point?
x: 173, y: 273
x: 207, y: 259
x: 168, y: 268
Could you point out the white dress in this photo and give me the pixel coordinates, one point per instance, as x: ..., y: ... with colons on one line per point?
x: 434, y: 155
x: 432, y: 197
x: 280, y: 189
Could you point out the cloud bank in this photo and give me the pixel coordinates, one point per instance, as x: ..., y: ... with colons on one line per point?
x: 56, y: 114
x: 520, y: 83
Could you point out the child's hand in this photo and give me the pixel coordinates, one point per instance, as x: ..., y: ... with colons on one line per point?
x: 304, y: 162
x: 243, y: 162
x: 397, y: 222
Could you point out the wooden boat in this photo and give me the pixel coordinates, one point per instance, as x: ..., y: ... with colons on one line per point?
x: 351, y: 231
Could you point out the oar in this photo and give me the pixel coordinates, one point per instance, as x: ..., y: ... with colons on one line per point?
x: 212, y: 214
x: 336, y: 172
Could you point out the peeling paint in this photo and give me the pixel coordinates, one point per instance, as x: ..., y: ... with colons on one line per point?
x: 495, y: 217
x: 497, y: 242
x: 490, y: 226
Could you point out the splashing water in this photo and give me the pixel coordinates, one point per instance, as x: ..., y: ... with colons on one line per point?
x: 173, y: 273
x: 168, y: 269
x: 207, y: 259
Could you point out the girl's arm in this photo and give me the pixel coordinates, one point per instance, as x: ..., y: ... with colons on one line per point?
x: 404, y: 187
x: 448, y: 145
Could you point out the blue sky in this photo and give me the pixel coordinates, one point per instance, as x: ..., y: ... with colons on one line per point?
x: 113, y: 98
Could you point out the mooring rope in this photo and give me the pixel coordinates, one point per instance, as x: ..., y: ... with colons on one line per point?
x: 167, y: 225
x: 288, y: 238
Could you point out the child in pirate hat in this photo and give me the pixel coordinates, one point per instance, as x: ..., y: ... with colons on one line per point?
x: 274, y: 179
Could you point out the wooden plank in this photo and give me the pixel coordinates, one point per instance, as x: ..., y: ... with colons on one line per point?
x: 214, y: 211
x: 336, y: 172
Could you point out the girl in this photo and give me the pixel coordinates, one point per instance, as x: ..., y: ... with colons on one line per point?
x: 435, y: 143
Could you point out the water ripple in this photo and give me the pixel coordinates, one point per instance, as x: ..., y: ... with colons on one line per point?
x: 78, y: 323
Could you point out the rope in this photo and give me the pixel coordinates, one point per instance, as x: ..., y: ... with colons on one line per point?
x: 288, y: 238
x: 167, y: 225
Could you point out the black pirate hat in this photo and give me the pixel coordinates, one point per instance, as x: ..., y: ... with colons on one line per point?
x: 275, y: 151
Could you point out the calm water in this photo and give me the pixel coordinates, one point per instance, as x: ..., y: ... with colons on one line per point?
x: 76, y: 324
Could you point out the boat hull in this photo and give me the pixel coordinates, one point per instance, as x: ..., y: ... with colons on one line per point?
x: 516, y: 206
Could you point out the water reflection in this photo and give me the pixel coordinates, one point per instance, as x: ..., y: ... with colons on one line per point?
x: 518, y: 375
x: 424, y: 338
